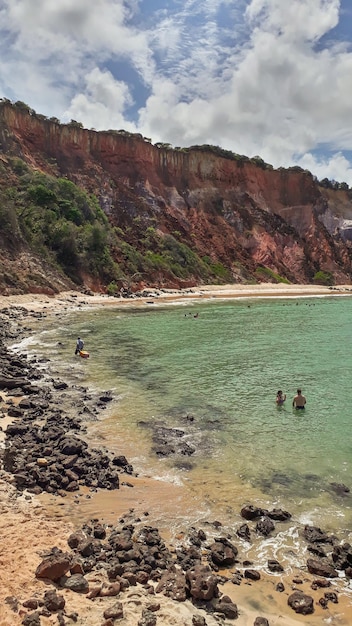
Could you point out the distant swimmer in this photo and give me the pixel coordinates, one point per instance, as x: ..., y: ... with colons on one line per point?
x: 280, y: 398
x: 196, y: 315
x: 299, y: 400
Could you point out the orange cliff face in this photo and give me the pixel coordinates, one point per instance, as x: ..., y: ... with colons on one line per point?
x: 232, y: 210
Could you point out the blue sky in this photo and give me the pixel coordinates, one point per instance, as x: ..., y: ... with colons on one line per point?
x: 259, y: 77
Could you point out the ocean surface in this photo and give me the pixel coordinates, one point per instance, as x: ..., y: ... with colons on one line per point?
x: 215, y: 377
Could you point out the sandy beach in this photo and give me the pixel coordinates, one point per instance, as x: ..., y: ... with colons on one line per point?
x: 29, y: 528
x: 70, y: 299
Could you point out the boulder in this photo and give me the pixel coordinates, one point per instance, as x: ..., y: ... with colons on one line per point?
x: 202, y: 583
x: 54, y: 567
x: 173, y: 585
x: 301, y: 603
x: 320, y: 568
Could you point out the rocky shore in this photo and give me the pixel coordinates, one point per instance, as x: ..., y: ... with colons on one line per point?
x: 103, y: 574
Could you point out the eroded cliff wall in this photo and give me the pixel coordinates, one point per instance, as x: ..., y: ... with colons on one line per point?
x: 238, y: 213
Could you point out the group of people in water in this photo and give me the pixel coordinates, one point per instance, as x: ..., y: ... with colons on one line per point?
x: 298, y: 402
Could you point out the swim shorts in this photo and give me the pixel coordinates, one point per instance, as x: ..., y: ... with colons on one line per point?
x: 299, y: 407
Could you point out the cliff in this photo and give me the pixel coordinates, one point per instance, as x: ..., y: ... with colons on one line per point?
x: 243, y: 219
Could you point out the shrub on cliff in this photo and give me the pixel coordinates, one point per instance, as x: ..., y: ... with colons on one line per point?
x: 267, y: 274
x: 60, y: 221
x: 323, y: 278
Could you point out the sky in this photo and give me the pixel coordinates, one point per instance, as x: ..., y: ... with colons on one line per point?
x: 271, y: 78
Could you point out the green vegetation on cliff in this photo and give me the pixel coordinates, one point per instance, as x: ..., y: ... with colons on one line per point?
x: 65, y: 225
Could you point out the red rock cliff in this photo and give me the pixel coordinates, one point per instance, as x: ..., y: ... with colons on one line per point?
x: 232, y: 210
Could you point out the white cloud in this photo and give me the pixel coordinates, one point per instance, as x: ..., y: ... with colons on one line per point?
x: 255, y: 76
x: 337, y: 167
x: 104, y: 100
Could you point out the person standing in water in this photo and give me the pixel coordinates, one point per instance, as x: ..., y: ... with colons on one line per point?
x: 79, y: 345
x: 299, y: 400
x: 280, y: 398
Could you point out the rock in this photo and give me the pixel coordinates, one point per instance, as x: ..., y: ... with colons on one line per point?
x: 319, y: 568
x: 243, y: 532
x: 250, y: 512
x: 223, y: 553
x: 301, y: 603
x: 320, y: 583
x: 110, y: 590
x: 198, y: 620
x: 54, y: 567
x: 340, y: 489
x: 14, y: 411
x: 53, y: 602
x: 173, y: 585
x: 114, y: 612
x: 202, y: 583
x: 261, y: 621
x: 279, y: 515
x: 275, y: 566
x: 76, y: 582
x: 31, y: 603
x: 227, y: 607
x: 265, y: 526
x: 33, y: 619
x: 59, y: 384
x: 148, y: 618
x: 315, y: 535
x: 251, y: 574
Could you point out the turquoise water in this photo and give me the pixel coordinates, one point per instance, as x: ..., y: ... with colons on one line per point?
x: 223, y: 369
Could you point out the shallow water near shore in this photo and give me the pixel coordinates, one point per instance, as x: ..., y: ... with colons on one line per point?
x: 215, y: 378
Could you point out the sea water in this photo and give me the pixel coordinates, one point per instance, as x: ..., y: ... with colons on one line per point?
x: 215, y: 378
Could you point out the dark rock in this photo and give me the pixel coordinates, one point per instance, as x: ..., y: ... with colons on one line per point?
x: 261, y: 621
x: 173, y: 585
x: 320, y: 583
x: 265, y: 526
x: 76, y: 582
x: 53, y: 602
x: 331, y: 596
x: 198, y: 620
x: 202, y: 583
x: 250, y: 512
x: 319, y: 568
x: 340, y: 489
x: 31, y: 603
x: 223, y: 553
x: 243, y: 532
x: 251, y: 574
x: 114, y: 612
x: 148, y: 618
x: 301, y: 603
x: 33, y: 619
x: 279, y: 515
x: 227, y: 607
x: 275, y: 566
x: 315, y: 535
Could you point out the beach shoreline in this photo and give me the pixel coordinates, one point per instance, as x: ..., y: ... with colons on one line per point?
x: 24, y: 518
x: 71, y: 299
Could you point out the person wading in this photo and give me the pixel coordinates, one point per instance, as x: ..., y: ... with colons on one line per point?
x: 299, y: 400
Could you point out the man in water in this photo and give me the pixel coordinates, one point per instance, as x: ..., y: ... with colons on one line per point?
x: 299, y: 401
x: 79, y: 345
